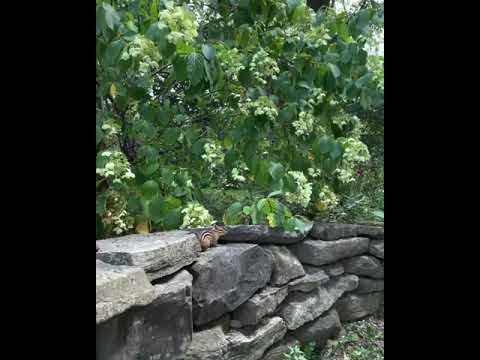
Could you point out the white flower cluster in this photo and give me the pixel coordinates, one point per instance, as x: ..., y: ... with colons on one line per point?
x: 318, y: 36
x: 117, y: 167
x: 355, y: 152
x: 195, y: 215
x: 326, y: 199
x: 341, y: 119
x: 213, y: 154
x: 143, y: 51
x: 236, y: 175
x: 181, y: 22
x: 121, y: 223
x: 231, y: 62
x: 264, y: 67
x: 262, y: 106
x: 314, y: 173
x: 304, y: 124
x: 303, y: 194
x: 318, y: 95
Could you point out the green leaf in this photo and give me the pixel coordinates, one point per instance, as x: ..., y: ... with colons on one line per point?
x: 195, y: 68
x: 112, y: 19
x: 180, y: 68
x: 276, y: 171
x: 324, y: 145
x: 209, y: 52
x: 335, y: 70
x: 149, y: 189
x: 233, y: 215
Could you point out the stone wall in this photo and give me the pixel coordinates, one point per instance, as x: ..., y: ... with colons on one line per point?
x: 260, y: 291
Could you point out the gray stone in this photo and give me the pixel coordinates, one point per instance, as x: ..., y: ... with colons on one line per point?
x: 260, y: 234
x: 208, y: 344
x: 366, y: 285
x: 286, y: 266
x: 309, y: 282
x: 159, y: 254
x: 119, y: 288
x: 300, y: 308
x: 251, y: 344
x: 227, y: 276
x: 161, y: 330
x: 260, y: 305
x: 317, y: 252
x: 333, y: 231
x: 373, y: 232
x: 277, y: 351
x: 356, y: 306
x: 364, y: 266
x: 320, y: 330
x: 377, y: 249
x: 333, y: 269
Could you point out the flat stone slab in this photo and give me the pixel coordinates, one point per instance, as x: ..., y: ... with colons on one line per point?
x: 300, y: 308
x: 320, y: 330
x: 364, y: 266
x: 332, y: 270
x: 277, y: 351
x: 309, y: 282
x: 217, y: 343
x: 286, y: 266
x: 353, y: 307
x: 333, y: 231
x: 260, y: 234
x: 377, y: 248
x: 372, y: 232
x: 161, y: 330
x: 225, y: 277
x: 318, y: 252
x: 366, y: 285
x: 251, y: 344
x: 160, y: 254
x: 208, y: 344
x: 260, y: 305
x: 119, y: 288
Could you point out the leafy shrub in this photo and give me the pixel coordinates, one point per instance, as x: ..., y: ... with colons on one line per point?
x: 255, y: 96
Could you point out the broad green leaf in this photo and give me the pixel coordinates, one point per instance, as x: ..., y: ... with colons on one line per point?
x: 149, y: 189
x: 195, y: 68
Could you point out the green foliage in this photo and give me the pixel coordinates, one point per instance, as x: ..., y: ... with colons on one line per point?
x: 196, y: 97
x: 306, y: 352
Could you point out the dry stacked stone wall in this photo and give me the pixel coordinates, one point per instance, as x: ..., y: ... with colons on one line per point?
x: 259, y: 292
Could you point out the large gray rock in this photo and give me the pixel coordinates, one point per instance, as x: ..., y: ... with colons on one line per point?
x: 227, y: 276
x: 320, y: 330
x: 356, y: 306
x: 120, y: 288
x: 364, y: 266
x: 209, y: 344
x: 161, y: 330
x: 300, y: 308
x: 159, y: 254
x: 317, y: 252
x: 332, y: 270
x: 260, y: 305
x: 251, y: 344
x: 286, y: 266
x: 373, y: 232
x: 377, y: 248
x: 260, y: 234
x: 366, y: 285
x: 333, y: 231
x: 309, y: 282
x: 277, y: 351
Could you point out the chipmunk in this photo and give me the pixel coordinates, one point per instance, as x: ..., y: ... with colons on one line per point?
x: 209, y: 238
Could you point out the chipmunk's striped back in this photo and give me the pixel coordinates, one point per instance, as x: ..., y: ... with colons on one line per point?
x: 209, y: 238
